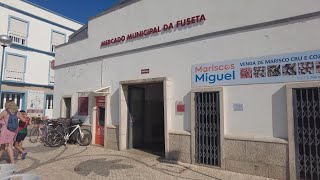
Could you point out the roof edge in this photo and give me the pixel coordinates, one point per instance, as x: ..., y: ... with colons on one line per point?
x: 115, y: 7
x: 48, y: 10
x: 78, y: 31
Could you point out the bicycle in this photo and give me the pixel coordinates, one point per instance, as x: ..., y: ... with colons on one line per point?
x: 38, y: 132
x: 57, y: 137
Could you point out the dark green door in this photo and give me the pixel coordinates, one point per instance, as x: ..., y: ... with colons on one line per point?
x: 136, y: 117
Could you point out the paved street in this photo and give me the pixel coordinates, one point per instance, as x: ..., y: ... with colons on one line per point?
x: 92, y: 162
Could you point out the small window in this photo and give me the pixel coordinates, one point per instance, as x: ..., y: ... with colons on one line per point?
x: 83, y: 106
x: 16, y: 97
x: 15, y: 67
x: 49, y: 102
x: 57, y: 39
x: 101, y: 115
x: 18, y: 30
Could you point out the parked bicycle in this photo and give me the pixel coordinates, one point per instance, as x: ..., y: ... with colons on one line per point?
x: 40, y: 130
x: 36, y: 132
x: 60, y: 136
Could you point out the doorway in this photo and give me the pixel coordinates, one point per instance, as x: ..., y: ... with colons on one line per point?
x: 306, y: 108
x: 67, y: 107
x: 100, y: 119
x: 146, y: 118
x: 207, y: 132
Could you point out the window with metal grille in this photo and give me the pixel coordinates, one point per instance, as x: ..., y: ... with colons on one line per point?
x: 16, y: 97
x: 57, y: 38
x: 207, y: 128
x: 49, y: 102
x: 18, y: 30
x: 15, y: 68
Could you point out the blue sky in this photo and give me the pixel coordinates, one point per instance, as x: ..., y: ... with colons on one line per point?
x: 79, y: 10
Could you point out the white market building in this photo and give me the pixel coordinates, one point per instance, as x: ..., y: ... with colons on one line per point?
x: 28, y: 76
x: 236, y: 87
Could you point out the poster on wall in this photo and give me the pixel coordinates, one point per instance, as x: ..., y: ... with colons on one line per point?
x: 35, y: 103
x: 302, y: 66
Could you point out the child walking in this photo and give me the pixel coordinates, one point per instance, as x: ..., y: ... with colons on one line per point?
x: 22, y: 133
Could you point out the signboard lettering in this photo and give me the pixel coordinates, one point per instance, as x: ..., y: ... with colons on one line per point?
x: 304, y: 66
x: 154, y: 30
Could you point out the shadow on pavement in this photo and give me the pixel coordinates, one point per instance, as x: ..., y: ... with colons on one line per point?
x: 100, y: 167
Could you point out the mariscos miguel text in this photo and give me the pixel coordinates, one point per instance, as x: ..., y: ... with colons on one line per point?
x: 155, y: 30
x: 214, y: 73
x: 214, y: 68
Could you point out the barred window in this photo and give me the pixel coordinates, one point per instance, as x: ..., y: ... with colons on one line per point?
x: 49, y: 102
x: 18, y: 30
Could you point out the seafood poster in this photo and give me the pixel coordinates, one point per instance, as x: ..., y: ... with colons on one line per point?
x: 302, y: 66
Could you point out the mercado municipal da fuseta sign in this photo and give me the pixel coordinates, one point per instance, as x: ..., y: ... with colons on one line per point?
x: 155, y: 30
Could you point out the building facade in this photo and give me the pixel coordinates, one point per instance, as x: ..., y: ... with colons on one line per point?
x: 28, y: 76
x: 229, y: 84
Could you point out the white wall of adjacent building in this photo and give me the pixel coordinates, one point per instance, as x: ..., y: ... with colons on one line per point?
x: 264, y: 113
x: 36, y: 49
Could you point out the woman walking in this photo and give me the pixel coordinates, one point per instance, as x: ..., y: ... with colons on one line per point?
x: 8, y: 132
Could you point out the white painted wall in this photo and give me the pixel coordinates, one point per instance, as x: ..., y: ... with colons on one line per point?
x: 37, y: 66
x: 264, y: 112
x: 41, y: 12
x: 39, y: 37
x: 71, y: 80
x: 144, y: 14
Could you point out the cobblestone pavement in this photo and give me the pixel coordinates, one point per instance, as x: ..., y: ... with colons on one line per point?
x: 92, y: 162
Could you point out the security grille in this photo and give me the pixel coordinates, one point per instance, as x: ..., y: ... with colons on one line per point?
x: 18, y: 30
x: 207, y: 128
x: 16, y: 97
x: 49, y: 102
x: 306, y: 104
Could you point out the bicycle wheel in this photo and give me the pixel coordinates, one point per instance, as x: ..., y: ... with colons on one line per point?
x: 34, y: 134
x: 85, y: 138
x: 45, y: 133
x: 54, y: 139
